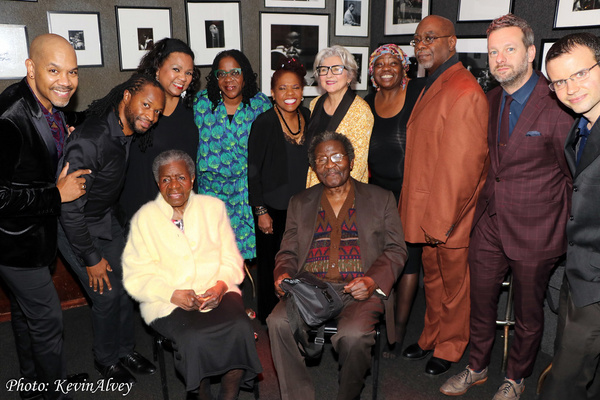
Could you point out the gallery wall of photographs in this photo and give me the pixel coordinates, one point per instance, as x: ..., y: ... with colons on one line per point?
x: 110, y: 37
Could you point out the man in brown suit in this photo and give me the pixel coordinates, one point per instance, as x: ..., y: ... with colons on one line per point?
x: 445, y: 168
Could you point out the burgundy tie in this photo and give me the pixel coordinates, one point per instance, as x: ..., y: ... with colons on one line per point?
x: 504, y: 127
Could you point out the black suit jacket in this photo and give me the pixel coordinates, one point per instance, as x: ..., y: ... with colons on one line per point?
x: 583, y: 227
x: 100, y: 145
x: 29, y: 199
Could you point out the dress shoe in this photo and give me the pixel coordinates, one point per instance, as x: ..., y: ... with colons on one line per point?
x: 414, y: 352
x: 437, y: 366
x: 117, y: 372
x: 138, y: 364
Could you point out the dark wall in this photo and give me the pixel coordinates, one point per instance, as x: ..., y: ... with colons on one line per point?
x: 96, y: 81
x: 539, y: 14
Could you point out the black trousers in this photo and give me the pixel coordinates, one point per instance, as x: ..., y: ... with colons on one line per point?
x: 37, y: 325
x: 112, y: 311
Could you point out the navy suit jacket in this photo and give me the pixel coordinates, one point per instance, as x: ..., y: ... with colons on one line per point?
x: 529, y: 189
x: 583, y: 227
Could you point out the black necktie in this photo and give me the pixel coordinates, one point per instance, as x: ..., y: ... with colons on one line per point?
x: 504, y: 126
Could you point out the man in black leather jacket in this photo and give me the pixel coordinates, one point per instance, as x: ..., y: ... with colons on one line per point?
x: 92, y: 241
x: 33, y: 131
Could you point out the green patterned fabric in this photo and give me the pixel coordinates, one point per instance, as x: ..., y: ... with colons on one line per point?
x: 222, y: 161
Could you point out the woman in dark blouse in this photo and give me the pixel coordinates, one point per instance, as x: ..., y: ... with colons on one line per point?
x: 391, y: 106
x: 277, y: 168
x: 171, y: 61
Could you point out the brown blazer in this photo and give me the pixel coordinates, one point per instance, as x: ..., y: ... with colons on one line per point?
x: 382, y: 246
x: 446, y: 159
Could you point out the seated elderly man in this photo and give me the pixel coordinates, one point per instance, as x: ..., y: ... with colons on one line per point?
x: 349, y: 234
x: 182, y: 264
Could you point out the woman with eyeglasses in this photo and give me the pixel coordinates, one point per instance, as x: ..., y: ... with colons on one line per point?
x: 171, y: 62
x: 391, y: 105
x: 277, y: 168
x: 340, y: 109
x: 224, y: 113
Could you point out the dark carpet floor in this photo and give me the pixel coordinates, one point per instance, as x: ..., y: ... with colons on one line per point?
x: 399, y: 378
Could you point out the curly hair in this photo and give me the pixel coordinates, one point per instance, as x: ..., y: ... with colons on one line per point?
x: 250, y: 86
x: 111, y: 101
x: 326, y: 136
x: 292, y: 65
x: 154, y: 59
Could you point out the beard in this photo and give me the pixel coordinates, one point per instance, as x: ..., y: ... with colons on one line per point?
x: 518, y: 72
x: 131, y: 118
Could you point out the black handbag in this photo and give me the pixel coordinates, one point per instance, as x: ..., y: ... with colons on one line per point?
x: 315, y: 302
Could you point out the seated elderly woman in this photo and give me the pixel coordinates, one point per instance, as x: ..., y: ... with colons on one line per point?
x: 182, y: 264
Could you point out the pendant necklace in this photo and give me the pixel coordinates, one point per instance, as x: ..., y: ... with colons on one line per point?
x: 286, y: 125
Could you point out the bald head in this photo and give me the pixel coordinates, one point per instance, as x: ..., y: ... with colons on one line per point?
x: 440, y: 31
x: 52, y: 70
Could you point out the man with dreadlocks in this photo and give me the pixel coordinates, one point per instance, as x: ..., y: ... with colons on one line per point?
x: 91, y: 238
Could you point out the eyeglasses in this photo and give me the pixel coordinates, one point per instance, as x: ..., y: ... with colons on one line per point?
x: 427, y: 40
x: 234, y: 73
x: 335, y: 158
x: 335, y: 70
x: 576, y: 77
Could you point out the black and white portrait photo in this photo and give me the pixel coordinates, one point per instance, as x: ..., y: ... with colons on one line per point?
x: 76, y: 38
x: 145, y: 38
x: 352, y: 13
x: 584, y: 5
x: 407, y: 11
x: 214, y: 34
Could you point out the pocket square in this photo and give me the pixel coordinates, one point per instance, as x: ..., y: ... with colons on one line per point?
x: 533, y: 133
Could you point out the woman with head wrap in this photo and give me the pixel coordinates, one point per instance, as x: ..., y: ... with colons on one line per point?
x: 391, y: 105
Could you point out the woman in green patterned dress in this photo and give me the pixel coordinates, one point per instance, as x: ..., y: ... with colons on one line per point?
x: 224, y: 113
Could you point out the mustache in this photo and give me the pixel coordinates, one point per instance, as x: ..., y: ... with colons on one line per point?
x: 63, y: 88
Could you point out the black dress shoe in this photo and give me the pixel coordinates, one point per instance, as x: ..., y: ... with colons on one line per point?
x: 117, y: 372
x: 192, y: 395
x: 437, y: 366
x: 138, y: 364
x: 414, y: 352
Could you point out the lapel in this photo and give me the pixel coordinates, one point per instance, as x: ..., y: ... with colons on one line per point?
x: 495, y: 101
x: 306, y: 225
x: 533, y: 108
x: 422, y: 104
x: 363, y: 202
x: 40, y: 124
x: 591, y: 151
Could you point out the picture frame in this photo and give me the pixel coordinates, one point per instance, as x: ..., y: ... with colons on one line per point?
x: 212, y: 28
x: 82, y: 30
x: 403, y: 16
x: 291, y: 35
x: 482, y: 10
x: 361, y: 55
x: 568, y: 15
x: 352, y: 18
x: 138, y: 28
x: 13, y: 51
x: 295, y: 3
x: 473, y: 53
x: 546, y: 44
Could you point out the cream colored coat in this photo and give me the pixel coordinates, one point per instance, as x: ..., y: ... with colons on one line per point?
x: 159, y: 258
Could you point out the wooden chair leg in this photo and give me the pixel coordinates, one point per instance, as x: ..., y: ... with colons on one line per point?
x: 542, y: 378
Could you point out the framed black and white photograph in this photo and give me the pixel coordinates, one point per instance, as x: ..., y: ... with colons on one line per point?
x: 472, y: 52
x: 138, y: 29
x: 352, y: 18
x: 546, y: 44
x: 576, y: 13
x: 82, y: 30
x: 361, y: 56
x: 212, y: 28
x: 13, y: 51
x: 403, y: 16
x: 295, y: 3
x: 291, y: 35
x: 482, y: 10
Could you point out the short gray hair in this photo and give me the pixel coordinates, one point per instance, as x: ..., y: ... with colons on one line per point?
x: 326, y: 136
x: 169, y: 156
x: 341, y: 52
